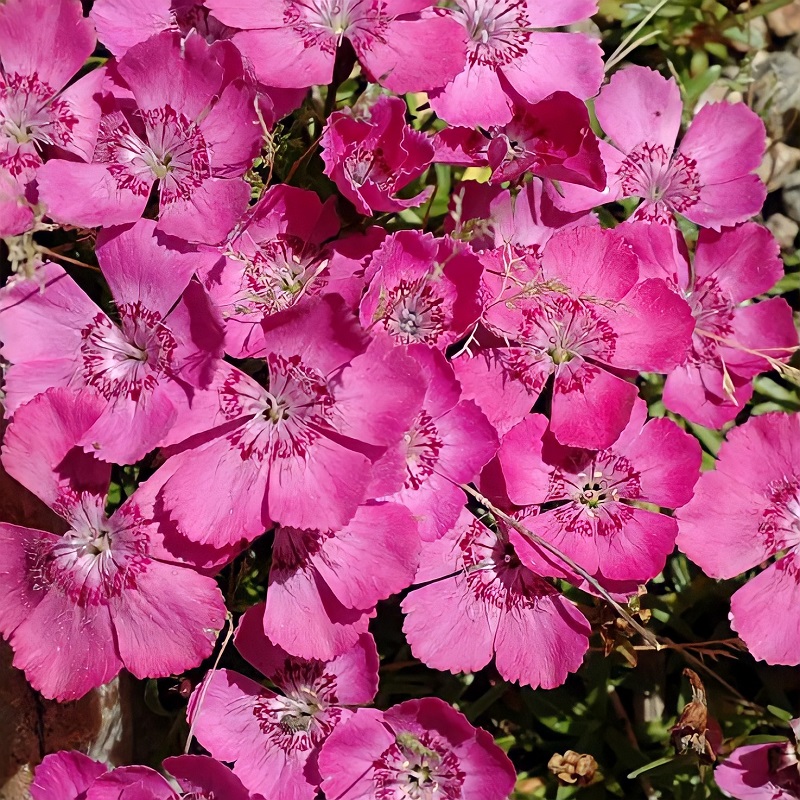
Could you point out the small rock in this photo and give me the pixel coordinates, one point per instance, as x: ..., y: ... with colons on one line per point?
x: 780, y: 162
x: 785, y: 230
x: 791, y: 196
x: 785, y: 21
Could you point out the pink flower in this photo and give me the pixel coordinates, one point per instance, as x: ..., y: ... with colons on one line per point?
x: 295, y: 44
x: 168, y: 340
x: 733, y: 338
x: 583, y: 318
x: 297, y: 448
x: 746, y: 512
x: 371, y: 158
x: 448, y: 443
x: 273, y: 739
x: 80, y: 606
x: 193, y: 129
x: 334, y: 580
x: 276, y: 257
x: 422, y: 289
x: 485, y: 598
x: 69, y: 775
x: 762, y: 771
x: 420, y: 747
x: 508, y: 58
x: 552, y: 139
x: 592, y: 502
x: 44, y: 43
x: 66, y: 775
x: 490, y: 217
x: 120, y: 30
x: 708, y: 179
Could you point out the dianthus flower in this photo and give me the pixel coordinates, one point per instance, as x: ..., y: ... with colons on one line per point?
x: 276, y: 257
x: 334, y: 580
x: 492, y: 218
x: 371, y: 157
x: 709, y: 177
x: 296, y: 448
x: 193, y: 129
x: 745, y: 512
x: 584, y: 317
x: 601, y: 507
x: 552, y: 139
x: 420, y: 749
x: 448, y: 443
x: 168, y: 341
x: 734, y: 340
x: 69, y: 775
x: 44, y: 43
x: 386, y: 35
x: 762, y: 771
x: 483, y: 599
x: 508, y: 58
x: 273, y: 739
x: 80, y: 606
x: 421, y: 289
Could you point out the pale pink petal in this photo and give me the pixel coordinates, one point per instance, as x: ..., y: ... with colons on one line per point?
x: 745, y: 261
x: 141, y: 266
x: 129, y: 782
x: 554, y: 15
x: 539, y: 646
x: 720, y: 528
x: 248, y: 13
x: 297, y: 591
x: 639, y: 105
x: 65, y: 776
x: 567, y: 62
x: 766, y: 327
x: 446, y: 626
x: 527, y: 477
x: 210, y: 212
x: 746, y: 775
x: 456, y: 102
x: 49, y: 39
x: 591, y: 406
x: 65, y: 649
x: 270, y: 50
x: 88, y: 195
x: 771, y: 596
x: 728, y: 203
x: 123, y: 23
x: 233, y: 511
x: 393, y: 59
x: 205, y: 776
x: 80, y: 135
x: 48, y: 464
x: 373, y: 557
x: 168, y: 621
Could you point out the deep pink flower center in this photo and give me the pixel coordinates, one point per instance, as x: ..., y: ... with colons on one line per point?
x: 364, y: 164
x: 666, y: 182
x: 713, y: 313
x: 781, y: 521
x: 562, y: 328
x: 423, y: 445
x: 305, y: 715
x: 128, y: 361
x: 173, y: 152
x: 412, y: 311
x: 418, y: 767
x: 498, y: 30
x: 285, y: 418
x: 96, y: 559
x: 324, y: 23
x: 278, y: 273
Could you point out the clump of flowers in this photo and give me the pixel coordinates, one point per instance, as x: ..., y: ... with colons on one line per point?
x: 337, y: 324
